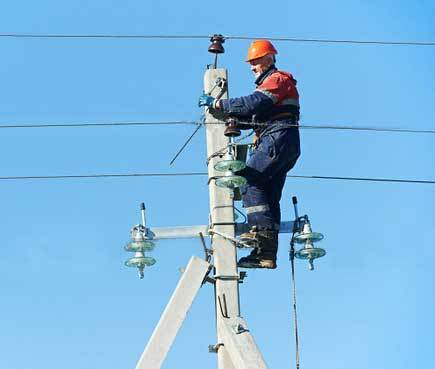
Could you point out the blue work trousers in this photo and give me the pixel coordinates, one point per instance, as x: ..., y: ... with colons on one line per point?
x: 275, y: 154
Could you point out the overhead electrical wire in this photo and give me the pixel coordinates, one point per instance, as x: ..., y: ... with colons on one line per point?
x: 342, y: 41
x: 146, y: 37
x: 189, y: 174
x: 71, y: 125
x: 192, y: 37
x: 187, y: 122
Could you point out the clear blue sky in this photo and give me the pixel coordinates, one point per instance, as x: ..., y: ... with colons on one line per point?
x: 67, y: 301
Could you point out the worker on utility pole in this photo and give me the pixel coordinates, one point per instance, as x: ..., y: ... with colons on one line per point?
x: 273, y: 112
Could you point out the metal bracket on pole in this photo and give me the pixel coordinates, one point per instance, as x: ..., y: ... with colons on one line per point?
x: 214, y: 348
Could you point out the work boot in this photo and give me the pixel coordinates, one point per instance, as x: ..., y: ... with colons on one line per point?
x: 264, y: 255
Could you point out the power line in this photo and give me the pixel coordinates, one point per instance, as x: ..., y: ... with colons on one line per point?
x: 187, y: 122
x: 190, y: 174
x: 107, y: 175
x: 368, y: 129
x: 146, y: 37
x: 342, y: 41
x: 192, y: 37
x: 366, y: 179
x: 72, y: 125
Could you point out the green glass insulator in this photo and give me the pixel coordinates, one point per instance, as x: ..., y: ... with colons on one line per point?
x: 144, y: 245
x: 310, y: 253
x: 231, y: 181
x: 229, y: 165
x: 140, y: 261
x: 311, y: 236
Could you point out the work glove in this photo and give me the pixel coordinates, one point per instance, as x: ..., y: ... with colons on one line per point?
x: 206, y: 100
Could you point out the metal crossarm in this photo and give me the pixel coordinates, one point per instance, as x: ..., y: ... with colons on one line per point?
x: 161, y: 233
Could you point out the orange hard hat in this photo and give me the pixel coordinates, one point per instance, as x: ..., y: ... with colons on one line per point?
x: 260, y: 48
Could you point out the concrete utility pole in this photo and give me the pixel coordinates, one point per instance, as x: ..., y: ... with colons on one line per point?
x: 235, y: 346
x: 221, y: 211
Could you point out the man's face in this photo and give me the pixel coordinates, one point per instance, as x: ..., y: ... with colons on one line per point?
x: 260, y: 65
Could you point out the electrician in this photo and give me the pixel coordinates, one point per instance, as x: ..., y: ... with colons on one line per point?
x: 273, y: 109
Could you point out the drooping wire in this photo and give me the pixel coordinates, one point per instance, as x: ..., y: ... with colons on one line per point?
x: 245, y: 218
x: 296, y: 229
x: 192, y: 37
x: 185, y: 144
x: 295, y: 313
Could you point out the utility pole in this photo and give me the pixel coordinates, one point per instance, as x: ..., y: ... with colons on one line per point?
x: 221, y: 217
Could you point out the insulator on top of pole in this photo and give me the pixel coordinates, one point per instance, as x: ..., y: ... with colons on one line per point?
x: 216, y: 47
x: 232, y: 128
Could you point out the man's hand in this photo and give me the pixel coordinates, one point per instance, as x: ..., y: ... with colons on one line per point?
x: 206, y: 100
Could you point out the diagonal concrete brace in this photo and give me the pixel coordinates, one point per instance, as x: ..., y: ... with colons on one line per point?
x: 240, y: 344
x: 175, y: 312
